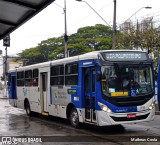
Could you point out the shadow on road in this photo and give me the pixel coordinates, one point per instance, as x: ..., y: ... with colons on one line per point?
x: 104, y: 130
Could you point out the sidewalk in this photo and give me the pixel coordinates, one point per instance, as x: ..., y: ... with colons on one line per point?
x: 2, y: 96
x: 157, y: 112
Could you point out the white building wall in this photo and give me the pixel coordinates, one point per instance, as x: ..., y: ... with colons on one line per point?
x: 13, y: 65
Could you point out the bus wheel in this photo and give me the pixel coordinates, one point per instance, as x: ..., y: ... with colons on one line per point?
x: 28, y: 109
x: 74, y: 119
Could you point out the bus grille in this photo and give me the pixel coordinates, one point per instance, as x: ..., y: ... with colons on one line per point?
x: 128, y: 101
x: 130, y: 119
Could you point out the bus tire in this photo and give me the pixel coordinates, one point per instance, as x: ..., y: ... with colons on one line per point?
x: 28, y: 109
x: 74, y: 119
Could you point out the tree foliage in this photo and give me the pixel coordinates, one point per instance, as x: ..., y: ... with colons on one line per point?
x: 92, y: 38
x: 146, y: 40
x: 86, y: 39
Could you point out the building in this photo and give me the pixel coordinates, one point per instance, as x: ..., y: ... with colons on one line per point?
x: 146, y: 24
x: 126, y: 27
x: 142, y: 26
x: 11, y: 63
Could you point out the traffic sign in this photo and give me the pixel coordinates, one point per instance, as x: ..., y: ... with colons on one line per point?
x: 6, y: 41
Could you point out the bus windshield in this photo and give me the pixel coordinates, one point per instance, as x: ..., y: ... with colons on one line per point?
x: 127, y: 80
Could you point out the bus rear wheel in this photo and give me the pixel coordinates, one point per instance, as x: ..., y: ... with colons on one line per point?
x: 74, y: 119
x: 28, y: 109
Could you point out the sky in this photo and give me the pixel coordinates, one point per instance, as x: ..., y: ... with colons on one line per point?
x: 50, y: 22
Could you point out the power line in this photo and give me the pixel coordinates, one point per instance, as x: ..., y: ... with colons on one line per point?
x: 92, y: 13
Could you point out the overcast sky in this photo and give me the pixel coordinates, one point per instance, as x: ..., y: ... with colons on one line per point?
x: 50, y: 22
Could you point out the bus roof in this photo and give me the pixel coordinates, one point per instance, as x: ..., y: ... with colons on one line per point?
x: 31, y: 66
x: 89, y: 55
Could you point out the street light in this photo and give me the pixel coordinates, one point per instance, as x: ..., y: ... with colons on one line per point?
x: 137, y: 20
x: 94, y: 11
x: 137, y: 12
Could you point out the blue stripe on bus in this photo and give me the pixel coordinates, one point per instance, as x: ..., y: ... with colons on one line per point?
x: 80, y: 91
x: 76, y: 98
x: 50, y: 95
x: 87, y: 63
x: 116, y: 109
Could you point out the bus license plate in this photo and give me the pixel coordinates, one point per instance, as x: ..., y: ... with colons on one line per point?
x: 131, y: 115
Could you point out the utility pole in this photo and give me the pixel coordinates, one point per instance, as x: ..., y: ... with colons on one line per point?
x: 6, y: 43
x: 65, y: 29
x: 114, y: 26
x: 5, y: 73
x: 65, y: 35
x: 137, y: 34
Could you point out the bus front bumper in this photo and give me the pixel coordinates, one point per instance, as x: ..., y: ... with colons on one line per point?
x: 105, y: 118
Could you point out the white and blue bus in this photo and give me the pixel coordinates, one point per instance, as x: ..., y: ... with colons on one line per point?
x: 102, y: 87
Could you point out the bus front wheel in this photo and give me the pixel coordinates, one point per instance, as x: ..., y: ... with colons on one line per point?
x: 74, y: 119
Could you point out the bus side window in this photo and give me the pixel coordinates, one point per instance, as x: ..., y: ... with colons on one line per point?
x: 20, y: 79
x: 35, y: 77
x: 57, y: 75
x: 28, y: 78
x: 71, y: 74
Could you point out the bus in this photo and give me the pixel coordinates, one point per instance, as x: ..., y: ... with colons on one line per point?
x: 108, y: 87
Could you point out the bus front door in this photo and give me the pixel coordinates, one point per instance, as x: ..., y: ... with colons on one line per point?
x: 89, y: 87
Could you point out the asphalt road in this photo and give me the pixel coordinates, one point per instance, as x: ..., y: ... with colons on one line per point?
x: 18, y: 127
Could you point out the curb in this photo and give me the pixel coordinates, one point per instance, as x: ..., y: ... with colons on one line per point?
x: 157, y: 112
x: 4, y: 98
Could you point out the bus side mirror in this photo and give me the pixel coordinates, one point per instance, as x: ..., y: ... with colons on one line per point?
x: 99, y: 76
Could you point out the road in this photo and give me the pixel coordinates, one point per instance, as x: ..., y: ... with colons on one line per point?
x: 1, y: 94
x: 15, y: 123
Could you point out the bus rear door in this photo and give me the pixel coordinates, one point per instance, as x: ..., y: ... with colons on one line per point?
x: 44, y: 90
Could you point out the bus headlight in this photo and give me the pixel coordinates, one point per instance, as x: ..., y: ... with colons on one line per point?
x: 104, y: 108
x: 151, y: 106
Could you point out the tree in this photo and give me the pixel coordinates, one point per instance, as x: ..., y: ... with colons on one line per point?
x: 90, y: 38
x: 146, y: 40
x: 150, y: 40
x: 86, y: 39
x: 45, y: 51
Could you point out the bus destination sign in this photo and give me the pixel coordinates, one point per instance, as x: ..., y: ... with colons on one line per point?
x: 124, y: 56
